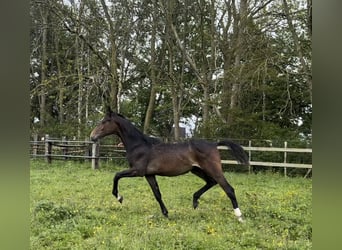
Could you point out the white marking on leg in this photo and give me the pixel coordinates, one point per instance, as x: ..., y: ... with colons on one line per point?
x: 237, y: 212
x: 119, y: 197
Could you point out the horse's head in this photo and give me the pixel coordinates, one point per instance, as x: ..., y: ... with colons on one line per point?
x: 107, y: 126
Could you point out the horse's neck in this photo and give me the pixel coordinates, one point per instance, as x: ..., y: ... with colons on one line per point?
x: 131, y: 137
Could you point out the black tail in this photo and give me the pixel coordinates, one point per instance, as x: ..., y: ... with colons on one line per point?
x: 237, y: 151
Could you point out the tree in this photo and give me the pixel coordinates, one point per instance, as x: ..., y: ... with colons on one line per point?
x: 297, y: 45
x: 113, y: 95
x: 153, y: 70
x: 242, y: 69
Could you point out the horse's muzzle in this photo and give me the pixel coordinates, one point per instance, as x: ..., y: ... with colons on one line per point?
x: 93, y: 138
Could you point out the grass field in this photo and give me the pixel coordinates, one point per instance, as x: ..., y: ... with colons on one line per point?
x: 71, y: 207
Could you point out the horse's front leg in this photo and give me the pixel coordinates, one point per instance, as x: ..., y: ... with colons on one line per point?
x: 126, y: 173
x: 151, y: 179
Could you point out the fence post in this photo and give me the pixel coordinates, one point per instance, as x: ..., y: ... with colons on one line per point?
x: 48, y: 146
x: 87, y: 149
x: 64, y: 147
x: 95, y: 156
x: 249, y: 155
x: 285, y: 156
x: 35, y: 145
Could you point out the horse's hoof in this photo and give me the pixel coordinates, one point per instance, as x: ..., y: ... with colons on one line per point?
x: 166, y: 214
x: 120, y: 199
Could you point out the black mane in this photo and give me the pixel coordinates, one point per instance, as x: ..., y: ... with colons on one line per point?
x: 134, y: 132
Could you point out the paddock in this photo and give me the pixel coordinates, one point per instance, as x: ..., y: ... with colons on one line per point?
x: 71, y: 207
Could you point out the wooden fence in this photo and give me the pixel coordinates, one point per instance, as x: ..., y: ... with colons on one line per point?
x: 50, y: 148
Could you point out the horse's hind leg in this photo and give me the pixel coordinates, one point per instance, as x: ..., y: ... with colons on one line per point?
x: 229, y: 190
x: 151, y: 179
x: 214, y: 170
x: 210, y: 182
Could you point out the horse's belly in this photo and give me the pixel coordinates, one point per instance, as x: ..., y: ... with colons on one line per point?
x: 169, y: 168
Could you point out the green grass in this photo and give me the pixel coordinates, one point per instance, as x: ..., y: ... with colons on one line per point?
x: 71, y: 207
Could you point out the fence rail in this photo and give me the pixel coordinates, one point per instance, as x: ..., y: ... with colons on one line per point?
x: 49, y: 148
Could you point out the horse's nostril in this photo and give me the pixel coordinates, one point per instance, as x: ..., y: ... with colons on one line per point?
x: 93, y: 138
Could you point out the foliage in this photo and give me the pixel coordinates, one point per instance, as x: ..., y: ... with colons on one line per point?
x: 242, y: 69
x: 72, y: 207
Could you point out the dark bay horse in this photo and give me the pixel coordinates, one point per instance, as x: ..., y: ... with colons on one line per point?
x: 149, y: 157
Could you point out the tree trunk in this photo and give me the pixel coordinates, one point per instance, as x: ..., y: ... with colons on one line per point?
x: 225, y: 47
x: 152, y: 99
x: 43, y: 90
x: 78, y: 64
x: 176, y: 112
x: 201, y: 76
x: 173, y: 82
x: 113, y: 85
x: 60, y: 82
x: 240, y: 28
x: 87, y: 90
x: 205, y: 107
x: 309, y: 18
